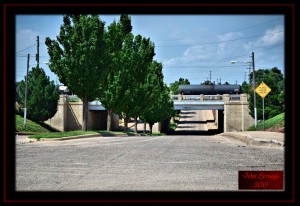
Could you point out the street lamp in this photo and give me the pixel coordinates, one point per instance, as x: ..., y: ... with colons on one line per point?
x: 253, y: 81
x: 233, y: 62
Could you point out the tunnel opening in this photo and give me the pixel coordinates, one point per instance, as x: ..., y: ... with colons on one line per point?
x: 199, y: 122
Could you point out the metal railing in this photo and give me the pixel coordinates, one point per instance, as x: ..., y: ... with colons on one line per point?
x: 204, y: 98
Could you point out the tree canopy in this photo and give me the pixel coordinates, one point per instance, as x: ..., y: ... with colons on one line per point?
x: 111, y: 90
x: 77, y: 57
x: 274, y: 101
x: 174, y: 86
x: 42, y: 95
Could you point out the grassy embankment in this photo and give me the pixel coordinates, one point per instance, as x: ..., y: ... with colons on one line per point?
x: 275, y: 124
x: 42, y: 130
x: 32, y: 127
x: 174, y: 122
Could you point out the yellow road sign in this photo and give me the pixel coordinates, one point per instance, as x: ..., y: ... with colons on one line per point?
x: 263, y: 90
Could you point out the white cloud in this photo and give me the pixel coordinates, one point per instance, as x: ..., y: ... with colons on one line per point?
x: 223, y: 47
x: 274, y: 38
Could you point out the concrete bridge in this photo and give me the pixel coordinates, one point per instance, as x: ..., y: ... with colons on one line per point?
x: 231, y: 112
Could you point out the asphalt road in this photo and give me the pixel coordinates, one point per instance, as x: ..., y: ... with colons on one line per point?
x: 140, y: 163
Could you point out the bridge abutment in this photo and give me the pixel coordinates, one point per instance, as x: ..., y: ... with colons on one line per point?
x: 69, y: 117
x: 236, y: 114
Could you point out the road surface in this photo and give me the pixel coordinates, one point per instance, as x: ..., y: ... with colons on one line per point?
x: 140, y: 163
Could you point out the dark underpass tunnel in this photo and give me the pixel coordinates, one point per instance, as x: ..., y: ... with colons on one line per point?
x: 199, y: 122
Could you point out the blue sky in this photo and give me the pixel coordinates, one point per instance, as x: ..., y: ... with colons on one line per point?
x: 196, y: 47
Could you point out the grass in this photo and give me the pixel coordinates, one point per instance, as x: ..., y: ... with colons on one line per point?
x: 32, y: 127
x: 272, y: 123
x: 80, y: 132
x: 62, y: 134
x: 173, y: 125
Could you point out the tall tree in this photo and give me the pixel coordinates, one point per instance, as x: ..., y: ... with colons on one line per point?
x: 174, y: 86
x: 42, y: 95
x: 77, y: 57
x: 138, y: 53
x: 149, y: 90
x: 127, y: 80
x: 160, y: 109
x: 114, y: 39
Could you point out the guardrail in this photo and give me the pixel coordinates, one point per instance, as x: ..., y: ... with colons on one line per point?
x: 204, y: 98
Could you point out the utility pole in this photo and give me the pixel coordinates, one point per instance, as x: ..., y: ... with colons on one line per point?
x: 254, y: 93
x: 38, y: 51
x: 25, y: 109
x: 249, y: 72
x: 209, y: 76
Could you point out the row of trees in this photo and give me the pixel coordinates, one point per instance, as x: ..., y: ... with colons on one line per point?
x: 110, y: 64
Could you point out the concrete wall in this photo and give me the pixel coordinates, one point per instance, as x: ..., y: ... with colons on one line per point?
x: 236, y: 114
x: 74, y: 116
x: 59, y: 121
x: 69, y: 117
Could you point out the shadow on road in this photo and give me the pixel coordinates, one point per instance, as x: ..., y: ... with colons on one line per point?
x: 194, y: 132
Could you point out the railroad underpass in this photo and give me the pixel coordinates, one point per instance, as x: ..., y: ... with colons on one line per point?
x: 199, y: 122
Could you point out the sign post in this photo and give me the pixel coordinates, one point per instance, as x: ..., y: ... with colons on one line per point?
x: 263, y: 90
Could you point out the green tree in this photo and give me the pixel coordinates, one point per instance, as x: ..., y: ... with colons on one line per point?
x: 207, y: 82
x: 246, y: 87
x: 160, y: 109
x: 274, y: 101
x: 110, y: 92
x: 77, y: 57
x: 126, y: 82
x: 18, y: 106
x: 152, y: 88
x: 138, y: 53
x: 42, y: 95
x: 174, y: 86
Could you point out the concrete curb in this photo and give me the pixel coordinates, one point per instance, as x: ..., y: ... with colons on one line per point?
x: 84, y: 136
x: 70, y: 137
x: 250, y: 140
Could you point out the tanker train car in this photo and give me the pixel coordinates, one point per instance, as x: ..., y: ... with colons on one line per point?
x: 209, y: 89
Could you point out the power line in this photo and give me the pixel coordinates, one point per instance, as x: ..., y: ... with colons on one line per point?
x: 243, y: 28
x: 202, y: 66
x: 214, y: 60
x: 269, y: 47
x: 221, y: 41
x: 26, y: 56
x: 27, y: 48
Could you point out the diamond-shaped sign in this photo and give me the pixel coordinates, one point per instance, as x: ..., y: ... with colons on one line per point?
x: 262, y: 90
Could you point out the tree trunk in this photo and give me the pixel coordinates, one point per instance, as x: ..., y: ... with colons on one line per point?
x: 125, y: 123
x: 150, y: 126
x: 109, y: 118
x: 135, y: 125
x: 145, y: 127
x: 85, y: 113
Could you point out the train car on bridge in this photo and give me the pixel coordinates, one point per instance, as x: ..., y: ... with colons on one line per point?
x: 198, y: 89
